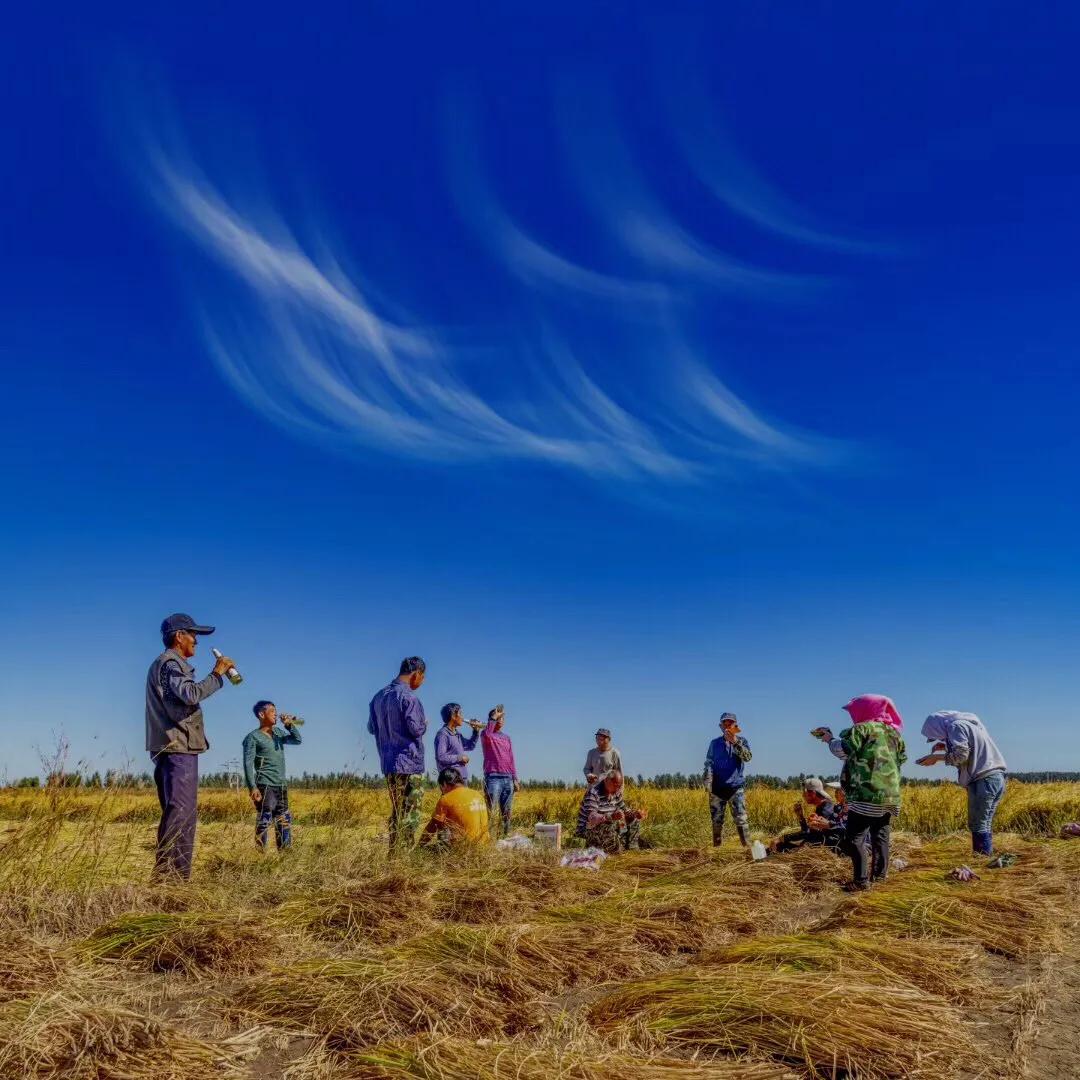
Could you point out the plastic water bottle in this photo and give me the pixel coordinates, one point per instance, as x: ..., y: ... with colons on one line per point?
x: 232, y: 674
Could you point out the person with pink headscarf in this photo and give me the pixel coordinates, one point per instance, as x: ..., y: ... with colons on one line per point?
x: 872, y: 751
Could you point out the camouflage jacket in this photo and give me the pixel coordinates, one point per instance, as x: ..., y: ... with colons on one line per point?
x: 874, y: 753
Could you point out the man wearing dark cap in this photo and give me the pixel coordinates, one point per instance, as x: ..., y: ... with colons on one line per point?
x: 601, y: 758
x: 724, y: 762
x: 396, y: 719
x: 175, y: 737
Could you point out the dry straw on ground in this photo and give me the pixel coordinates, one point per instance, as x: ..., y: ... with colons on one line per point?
x: 868, y: 1029
x: 952, y: 971
x: 189, y: 942
x: 53, y: 1037
x: 460, y: 1059
x: 677, y: 961
x: 380, y: 910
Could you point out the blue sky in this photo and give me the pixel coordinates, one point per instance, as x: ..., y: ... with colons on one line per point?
x: 630, y: 367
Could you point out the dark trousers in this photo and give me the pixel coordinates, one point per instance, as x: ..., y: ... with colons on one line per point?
x: 274, y: 807
x: 810, y: 838
x: 176, y: 777
x: 868, y: 841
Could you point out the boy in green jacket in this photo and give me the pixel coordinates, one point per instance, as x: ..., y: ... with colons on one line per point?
x: 264, y: 773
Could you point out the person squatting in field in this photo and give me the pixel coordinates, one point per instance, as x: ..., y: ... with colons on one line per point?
x: 264, y: 773
x: 460, y: 816
x: 605, y: 821
x: 820, y: 827
x: 176, y: 736
x: 396, y: 719
x: 724, y: 763
x: 961, y: 740
x: 872, y: 751
x: 500, y: 772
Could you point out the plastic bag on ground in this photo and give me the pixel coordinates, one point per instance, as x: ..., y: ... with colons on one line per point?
x: 589, y: 859
x: 517, y: 842
x: 963, y: 873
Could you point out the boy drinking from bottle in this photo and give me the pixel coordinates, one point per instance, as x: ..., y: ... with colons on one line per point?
x: 264, y: 773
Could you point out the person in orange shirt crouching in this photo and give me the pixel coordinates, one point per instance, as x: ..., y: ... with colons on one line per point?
x: 460, y: 815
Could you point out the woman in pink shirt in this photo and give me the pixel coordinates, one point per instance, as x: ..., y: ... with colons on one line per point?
x: 500, y: 774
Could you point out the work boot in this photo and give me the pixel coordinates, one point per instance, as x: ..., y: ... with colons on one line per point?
x: 982, y: 843
x: 717, y: 837
x: 744, y: 835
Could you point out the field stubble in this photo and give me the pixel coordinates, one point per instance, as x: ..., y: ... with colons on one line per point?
x: 677, y: 961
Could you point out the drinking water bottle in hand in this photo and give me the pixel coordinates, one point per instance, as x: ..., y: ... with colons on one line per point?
x: 232, y: 674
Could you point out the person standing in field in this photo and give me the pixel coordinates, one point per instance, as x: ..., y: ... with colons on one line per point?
x: 961, y: 740
x: 601, y: 758
x: 460, y: 816
x: 451, y: 750
x: 396, y: 719
x: 500, y: 773
x: 264, y: 773
x: 176, y: 736
x: 872, y: 751
x: 724, y: 763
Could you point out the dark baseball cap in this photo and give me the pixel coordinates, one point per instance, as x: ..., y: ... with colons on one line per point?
x: 183, y: 622
x: 728, y: 716
x: 603, y: 731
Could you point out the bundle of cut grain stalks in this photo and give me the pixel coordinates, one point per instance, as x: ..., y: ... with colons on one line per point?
x: 461, y: 1059
x: 55, y: 1037
x: 841, y: 1025
x: 189, y: 942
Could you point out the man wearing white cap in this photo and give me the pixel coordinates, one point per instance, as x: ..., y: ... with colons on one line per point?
x: 817, y: 828
x: 724, y: 780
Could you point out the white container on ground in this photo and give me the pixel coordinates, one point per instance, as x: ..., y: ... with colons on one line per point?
x: 548, y: 835
x: 757, y: 850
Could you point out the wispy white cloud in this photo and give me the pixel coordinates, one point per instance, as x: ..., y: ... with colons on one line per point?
x: 317, y: 353
x: 526, y: 258
x: 612, y: 183
x: 707, y: 143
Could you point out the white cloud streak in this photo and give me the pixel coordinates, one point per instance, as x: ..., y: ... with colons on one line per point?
x: 310, y: 350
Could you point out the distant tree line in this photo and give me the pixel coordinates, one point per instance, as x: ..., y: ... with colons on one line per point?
x: 117, y: 778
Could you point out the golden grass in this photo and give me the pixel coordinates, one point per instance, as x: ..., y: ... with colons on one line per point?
x: 27, y: 966
x: 189, y: 942
x: 949, y: 970
x: 461, y: 1059
x: 677, y: 818
x: 1003, y: 920
x: 58, y: 1038
x: 380, y: 910
x: 675, y: 961
x: 864, y: 1029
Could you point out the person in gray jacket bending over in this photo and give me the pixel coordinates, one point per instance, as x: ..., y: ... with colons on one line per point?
x: 960, y: 739
x: 176, y: 736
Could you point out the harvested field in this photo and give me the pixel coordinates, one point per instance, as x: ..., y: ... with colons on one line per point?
x: 332, y: 962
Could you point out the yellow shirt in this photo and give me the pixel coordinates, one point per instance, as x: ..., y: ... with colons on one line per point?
x: 464, y: 812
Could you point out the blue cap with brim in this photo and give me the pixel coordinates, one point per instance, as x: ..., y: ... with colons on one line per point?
x: 183, y: 622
